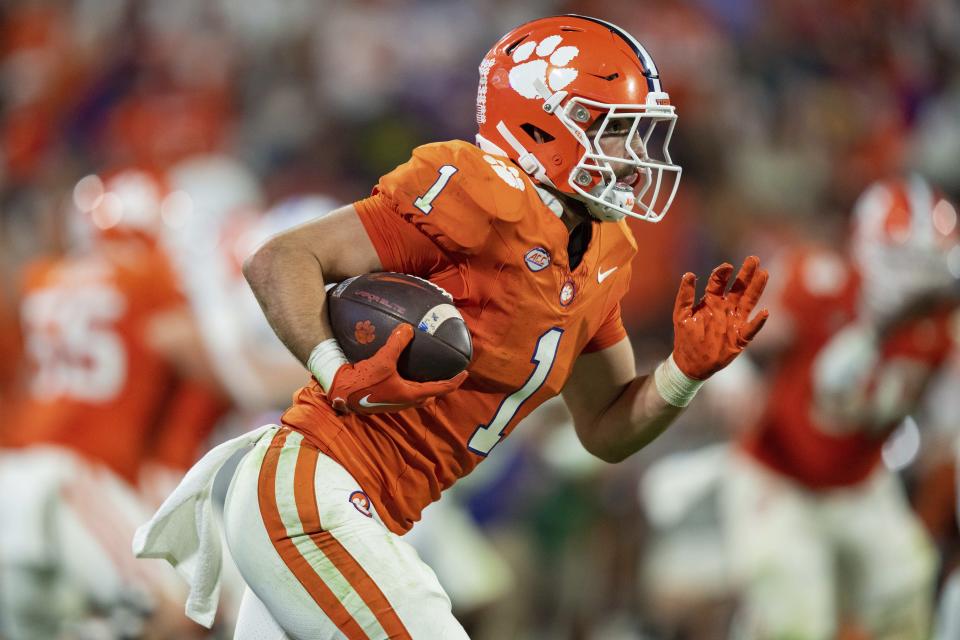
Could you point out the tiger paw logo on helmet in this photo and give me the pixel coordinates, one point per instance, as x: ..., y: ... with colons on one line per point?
x: 552, y: 70
x: 510, y: 175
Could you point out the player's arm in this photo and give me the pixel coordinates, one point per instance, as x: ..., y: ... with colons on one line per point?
x: 617, y: 413
x: 288, y: 275
x: 289, y: 271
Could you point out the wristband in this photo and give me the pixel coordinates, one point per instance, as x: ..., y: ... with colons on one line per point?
x: 673, y: 385
x: 324, y: 362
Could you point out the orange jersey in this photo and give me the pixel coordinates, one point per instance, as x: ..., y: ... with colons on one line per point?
x: 475, y: 225
x: 796, y: 436
x: 94, y: 385
x: 10, y: 355
x: 190, y: 414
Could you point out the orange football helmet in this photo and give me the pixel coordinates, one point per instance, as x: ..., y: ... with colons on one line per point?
x: 125, y: 205
x: 906, y: 243
x: 550, y: 81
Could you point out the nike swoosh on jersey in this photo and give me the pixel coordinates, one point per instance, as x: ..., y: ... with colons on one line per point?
x: 602, y: 275
x: 365, y: 402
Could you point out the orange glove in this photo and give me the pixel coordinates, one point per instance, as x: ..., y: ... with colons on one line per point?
x: 708, y: 335
x: 374, y: 386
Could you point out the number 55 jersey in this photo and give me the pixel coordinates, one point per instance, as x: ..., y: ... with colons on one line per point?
x: 95, y: 386
x: 474, y: 224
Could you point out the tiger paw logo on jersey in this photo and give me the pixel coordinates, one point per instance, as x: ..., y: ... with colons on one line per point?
x: 537, y: 259
x: 567, y: 292
x: 361, y: 503
x: 510, y: 175
x: 365, y: 332
x: 552, y: 70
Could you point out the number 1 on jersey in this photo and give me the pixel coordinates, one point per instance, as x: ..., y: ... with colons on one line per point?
x: 488, y: 435
x: 425, y: 202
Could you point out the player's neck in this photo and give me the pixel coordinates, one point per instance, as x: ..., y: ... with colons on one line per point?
x: 574, y: 212
x: 571, y: 220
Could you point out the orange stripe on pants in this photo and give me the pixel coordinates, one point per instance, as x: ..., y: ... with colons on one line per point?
x: 306, y: 499
x: 295, y: 562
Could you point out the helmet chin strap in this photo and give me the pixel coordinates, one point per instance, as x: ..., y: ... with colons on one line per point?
x: 488, y: 146
x: 617, y: 196
x: 527, y: 161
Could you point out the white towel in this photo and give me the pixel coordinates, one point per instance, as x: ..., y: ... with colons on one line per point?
x: 184, y: 531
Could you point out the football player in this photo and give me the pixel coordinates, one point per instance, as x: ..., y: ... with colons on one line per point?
x: 814, y: 518
x: 98, y: 394
x: 526, y: 231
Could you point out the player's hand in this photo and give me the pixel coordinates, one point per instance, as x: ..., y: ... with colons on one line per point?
x: 374, y: 386
x: 708, y: 335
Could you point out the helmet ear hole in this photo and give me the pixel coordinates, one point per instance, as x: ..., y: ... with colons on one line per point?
x: 538, y: 135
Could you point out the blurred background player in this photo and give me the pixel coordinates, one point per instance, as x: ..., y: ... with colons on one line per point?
x: 936, y: 496
x: 102, y: 396
x: 224, y: 220
x: 820, y: 531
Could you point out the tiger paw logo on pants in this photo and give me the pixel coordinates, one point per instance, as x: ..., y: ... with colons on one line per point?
x: 552, y: 70
x: 361, y: 503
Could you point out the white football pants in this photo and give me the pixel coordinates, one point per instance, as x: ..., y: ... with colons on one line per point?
x: 65, y: 526
x: 803, y: 557
x: 318, y: 559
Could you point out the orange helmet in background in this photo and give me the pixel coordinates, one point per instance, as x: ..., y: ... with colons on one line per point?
x: 127, y: 204
x: 550, y: 80
x: 905, y: 241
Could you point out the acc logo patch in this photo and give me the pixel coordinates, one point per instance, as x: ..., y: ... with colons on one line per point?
x: 537, y: 259
x: 364, y: 332
x: 361, y: 503
x: 567, y: 291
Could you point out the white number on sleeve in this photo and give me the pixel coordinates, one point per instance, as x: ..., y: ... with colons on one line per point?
x: 425, y: 202
x: 488, y: 435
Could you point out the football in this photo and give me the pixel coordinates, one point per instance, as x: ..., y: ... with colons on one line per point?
x: 365, y: 309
